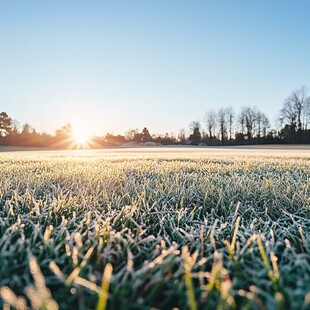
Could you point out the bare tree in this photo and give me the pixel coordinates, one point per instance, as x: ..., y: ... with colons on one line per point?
x: 247, y: 120
x: 222, y: 121
x: 306, y: 114
x: 210, y: 121
x: 130, y: 134
x: 195, y: 137
x: 259, y: 124
x: 182, y: 135
x: 288, y: 113
x: 295, y: 110
x: 299, y: 99
x: 265, y: 124
x: 241, y: 119
x: 230, y: 116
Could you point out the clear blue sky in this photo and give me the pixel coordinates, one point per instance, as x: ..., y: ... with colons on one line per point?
x: 116, y: 65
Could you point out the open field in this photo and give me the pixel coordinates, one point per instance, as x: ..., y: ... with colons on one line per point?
x: 158, y: 227
x: 301, y: 150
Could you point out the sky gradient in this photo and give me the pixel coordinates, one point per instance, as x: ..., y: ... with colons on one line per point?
x: 110, y: 66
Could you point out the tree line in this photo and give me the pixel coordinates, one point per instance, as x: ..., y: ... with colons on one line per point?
x: 220, y: 127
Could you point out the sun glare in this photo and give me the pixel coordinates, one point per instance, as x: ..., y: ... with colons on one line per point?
x: 80, y: 138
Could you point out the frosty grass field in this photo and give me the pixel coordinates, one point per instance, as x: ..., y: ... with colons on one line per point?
x: 161, y: 228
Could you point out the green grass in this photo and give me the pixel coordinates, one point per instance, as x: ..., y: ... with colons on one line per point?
x: 92, y: 230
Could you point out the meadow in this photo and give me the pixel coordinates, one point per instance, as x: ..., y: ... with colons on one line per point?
x: 155, y: 228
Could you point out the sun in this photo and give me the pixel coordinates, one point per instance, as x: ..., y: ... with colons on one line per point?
x: 80, y: 138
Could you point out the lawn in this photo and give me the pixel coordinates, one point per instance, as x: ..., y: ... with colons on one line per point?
x: 161, y: 228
